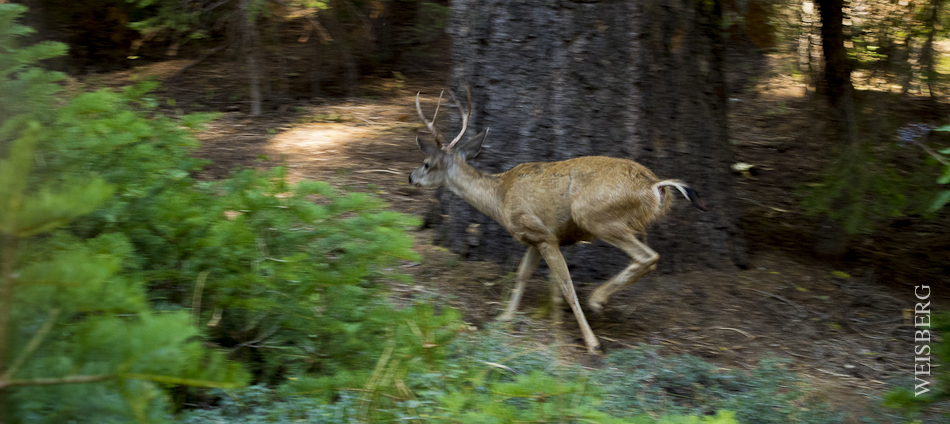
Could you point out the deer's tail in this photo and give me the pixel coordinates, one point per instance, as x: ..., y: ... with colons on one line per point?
x: 687, y: 192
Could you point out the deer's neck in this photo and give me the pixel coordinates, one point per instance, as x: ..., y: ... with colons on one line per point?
x: 479, y: 189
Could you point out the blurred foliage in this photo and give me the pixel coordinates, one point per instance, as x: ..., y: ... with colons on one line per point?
x: 483, y: 377
x: 943, y: 157
x: 113, y: 254
x: 284, y: 273
x: 864, y: 185
x: 641, y: 379
x: 858, y: 189
x: 78, y: 340
x: 344, y: 37
x: 281, y: 275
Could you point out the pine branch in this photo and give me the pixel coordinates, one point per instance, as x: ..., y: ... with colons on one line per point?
x: 82, y: 379
x: 72, y: 379
x: 6, y: 296
x: 32, y: 345
x: 196, y: 298
x: 932, y: 153
x: 167, y: 379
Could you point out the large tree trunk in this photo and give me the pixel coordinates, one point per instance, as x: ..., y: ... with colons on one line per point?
x: 560, y: 79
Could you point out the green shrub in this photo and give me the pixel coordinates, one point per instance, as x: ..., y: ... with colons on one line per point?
x: 943, y: 157
x: 481, y: 377
x: 78, y: 340
x: 259, y: 404
x: 117, y: 253
x: 858, y: 189
x: 863, y: 185
x: 281, y: 275
x: 642, y: 380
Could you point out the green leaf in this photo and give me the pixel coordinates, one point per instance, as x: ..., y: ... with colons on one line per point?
x: 137, y: 91
x: 945, y: 178
x: 53, y: 207
x: 840, y: 274
x: 942, y: 198
x: 41, y: 51
x: 196, y: 121
x: 13, y: 175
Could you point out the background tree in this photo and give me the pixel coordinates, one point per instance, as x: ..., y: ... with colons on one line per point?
x: 888, y: 47
x: 556, y: 80
x: 837, y: 70
x: 927, y: 56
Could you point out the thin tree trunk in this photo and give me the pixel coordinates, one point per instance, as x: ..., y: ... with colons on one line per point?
x: 283, y: 89
x: 927, y: 51
x: 638, y: 80
x: 840, y: 92
x: 806, y: 43
x: 831, y: 238
x: 8, y: 245
x: 315, y: 73
x: 907, y: 74
x: 251, y: 49
x: 351, y: 72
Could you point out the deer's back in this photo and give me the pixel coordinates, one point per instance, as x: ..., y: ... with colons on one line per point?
x: 570, y: 197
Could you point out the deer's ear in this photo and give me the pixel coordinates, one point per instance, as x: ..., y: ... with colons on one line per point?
x: 428, y: 147
x: 471, y: 147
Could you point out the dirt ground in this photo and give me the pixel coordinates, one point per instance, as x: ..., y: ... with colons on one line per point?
x: 842, y: 322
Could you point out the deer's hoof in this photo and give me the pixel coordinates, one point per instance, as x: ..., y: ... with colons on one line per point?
x: 505, y: 317
x: 596, y: 307
x: 596, y: 350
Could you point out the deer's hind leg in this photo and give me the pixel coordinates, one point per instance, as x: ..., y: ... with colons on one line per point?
x: 643, y: 261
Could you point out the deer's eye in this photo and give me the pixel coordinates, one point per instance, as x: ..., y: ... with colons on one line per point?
x: 425, y: 165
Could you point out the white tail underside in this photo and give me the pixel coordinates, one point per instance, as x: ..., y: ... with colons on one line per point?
x: 669, y: 183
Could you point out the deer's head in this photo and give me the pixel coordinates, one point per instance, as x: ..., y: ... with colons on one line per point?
x: 442, y: 157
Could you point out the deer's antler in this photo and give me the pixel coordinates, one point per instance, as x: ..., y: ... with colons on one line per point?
x: 431, y: 124
x: 465, y: 114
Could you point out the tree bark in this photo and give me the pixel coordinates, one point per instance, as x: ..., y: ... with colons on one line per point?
x: 929, y: 72
x: 837, y: 73
x: 560, y: 79
x: 831, y: 238
x: 807, y: 46
x: 251, y: 47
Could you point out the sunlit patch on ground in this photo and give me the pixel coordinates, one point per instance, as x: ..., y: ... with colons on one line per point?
x: 317, y: 139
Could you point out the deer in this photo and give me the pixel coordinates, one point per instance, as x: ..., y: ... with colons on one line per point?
x: 545, y: 205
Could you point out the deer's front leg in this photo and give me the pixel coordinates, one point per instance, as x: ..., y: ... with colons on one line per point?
x: 552, y: 255
x: 529, y: 263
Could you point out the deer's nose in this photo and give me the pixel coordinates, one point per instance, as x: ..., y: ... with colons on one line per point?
x: 410, y: 178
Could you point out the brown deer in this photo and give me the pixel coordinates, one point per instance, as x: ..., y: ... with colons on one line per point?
x: 549, y: 204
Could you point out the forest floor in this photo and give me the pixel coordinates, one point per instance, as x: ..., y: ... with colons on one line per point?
x: 842, y: 323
